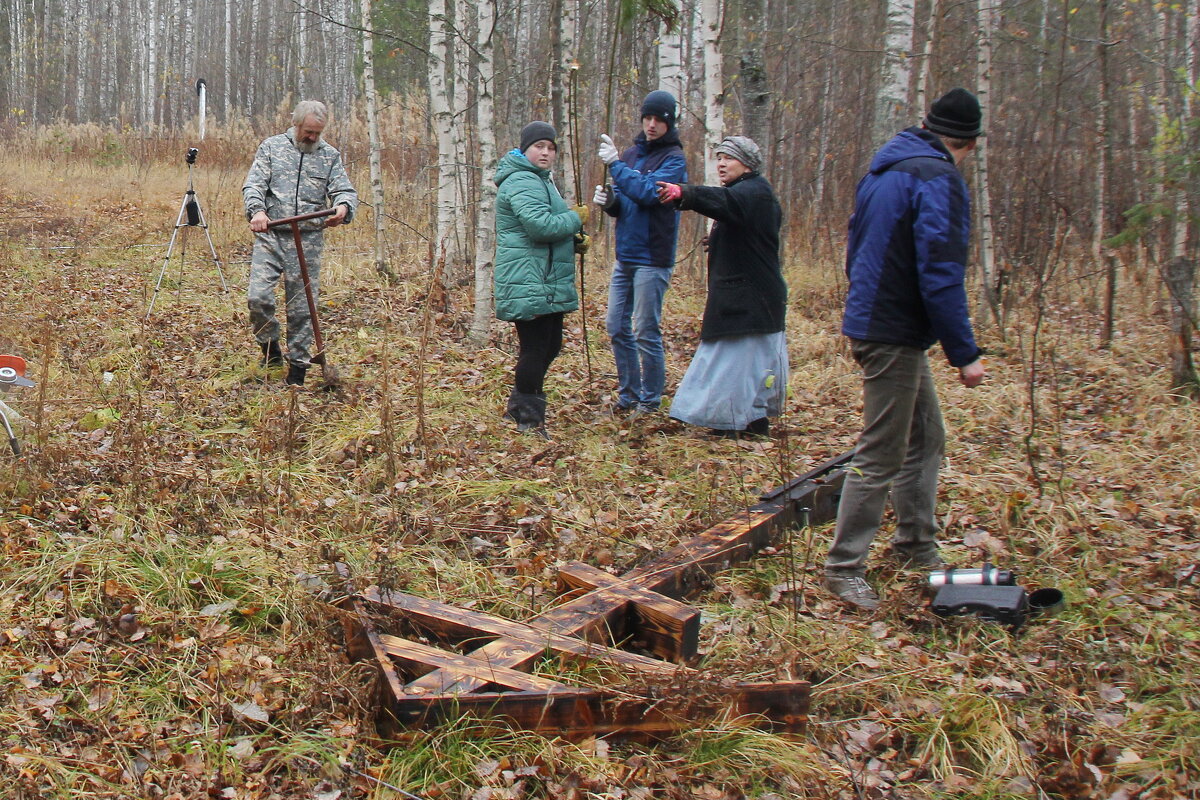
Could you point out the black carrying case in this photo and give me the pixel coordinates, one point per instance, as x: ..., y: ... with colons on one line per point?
x: 1008, y: 605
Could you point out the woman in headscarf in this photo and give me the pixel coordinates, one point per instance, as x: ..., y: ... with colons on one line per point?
x: 738, y: 377
x: 536, y: 239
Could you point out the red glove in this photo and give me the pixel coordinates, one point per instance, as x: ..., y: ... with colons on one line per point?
x: 669, y: 192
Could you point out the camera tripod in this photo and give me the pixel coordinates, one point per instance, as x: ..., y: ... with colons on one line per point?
x: 190, y: 216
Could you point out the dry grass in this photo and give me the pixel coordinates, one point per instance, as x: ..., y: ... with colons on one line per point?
x: 168, y: 535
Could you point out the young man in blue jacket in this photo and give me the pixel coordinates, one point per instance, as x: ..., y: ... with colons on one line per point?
x: 906, y: 263
x: 645, y: 241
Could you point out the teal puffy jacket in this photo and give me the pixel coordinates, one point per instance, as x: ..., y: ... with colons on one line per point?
x: 535, y: 248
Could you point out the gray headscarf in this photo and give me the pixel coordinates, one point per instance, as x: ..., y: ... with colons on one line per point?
x: 744, y: 149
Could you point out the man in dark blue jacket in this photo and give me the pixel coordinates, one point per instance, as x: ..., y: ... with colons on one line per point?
x: 906, y: 263
x: 645, y: 239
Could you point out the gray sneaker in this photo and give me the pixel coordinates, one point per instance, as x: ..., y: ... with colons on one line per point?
x: 853, y: 590
x: 925, y: 560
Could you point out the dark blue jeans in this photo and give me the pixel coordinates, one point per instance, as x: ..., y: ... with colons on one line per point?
x: 635, y: 299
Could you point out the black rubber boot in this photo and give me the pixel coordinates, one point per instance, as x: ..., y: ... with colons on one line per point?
x: 512, y: 411
x: 759, y: 427
x: 528, y: 411
x: 295, y: 376
x: 272, y: 356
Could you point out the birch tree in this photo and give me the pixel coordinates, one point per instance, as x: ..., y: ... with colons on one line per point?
x: 227, y: 65
x: 441, y: 115
x: 926, y: 75
x: 711, y: 16
x: 150, y: 81
x: 987, y: 245
x: 565, y: 66
x: 1181, y: 261
x: 1102, y: 229
x: 671, y: 74
x: 378, y: 206
x: 893, y: 109
x: 485, y: 228
x: 458, y: 265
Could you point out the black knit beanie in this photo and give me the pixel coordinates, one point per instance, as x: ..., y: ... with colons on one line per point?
x: 535, y: 132
x: 955, y: 114
x: 662, y: 105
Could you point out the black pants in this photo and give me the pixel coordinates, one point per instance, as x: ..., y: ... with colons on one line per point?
x: 541, y: 340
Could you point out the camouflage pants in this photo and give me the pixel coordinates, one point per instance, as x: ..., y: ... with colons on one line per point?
x: 275, y: 255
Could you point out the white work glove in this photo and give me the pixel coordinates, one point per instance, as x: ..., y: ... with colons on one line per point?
x: 608, y: 151
x: 602, y: 197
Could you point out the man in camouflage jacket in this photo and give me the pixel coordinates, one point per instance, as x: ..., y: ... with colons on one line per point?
x: 293, y: 173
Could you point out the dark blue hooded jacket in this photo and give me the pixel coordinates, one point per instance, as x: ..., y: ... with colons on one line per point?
x: 907, y: 253
x: 647, y: 229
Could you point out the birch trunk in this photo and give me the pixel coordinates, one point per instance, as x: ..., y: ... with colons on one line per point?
x: 1181, y: 264
x: 565, y: 66
x: 671, y: 75
x: 302, y: 53
x: 441, y: 115
x: 557, y: 86
x: 227, y: 66
x: 188, y: 11
x: 81, y: 63
x: 987, y: 243
x: 926, y: 78
x: 893, y: 109
x: 1101, y: 231
x: 345, y: 63
x: 463, y: 234
x: 151, y: 84
x: 711, y: 15
x: 376, y: 160
x: 485, y: 226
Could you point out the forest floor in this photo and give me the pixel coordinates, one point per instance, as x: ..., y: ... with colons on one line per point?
x: 168, y: 534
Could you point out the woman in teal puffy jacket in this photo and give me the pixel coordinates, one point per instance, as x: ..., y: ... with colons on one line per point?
x: 534, y: 266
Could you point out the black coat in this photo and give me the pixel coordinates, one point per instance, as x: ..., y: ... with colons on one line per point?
x: 746, y: 290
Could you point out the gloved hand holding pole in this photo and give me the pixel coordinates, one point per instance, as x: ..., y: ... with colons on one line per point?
x: 608, y: 151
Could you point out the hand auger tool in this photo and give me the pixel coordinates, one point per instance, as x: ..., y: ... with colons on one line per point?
x: 12, y: 373
x: 191, y: 215
x: 328, y: 371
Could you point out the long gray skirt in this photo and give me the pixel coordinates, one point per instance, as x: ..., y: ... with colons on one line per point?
x: 733, y: 381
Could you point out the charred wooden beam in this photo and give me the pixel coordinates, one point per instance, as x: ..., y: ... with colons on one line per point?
x: 665, y: 627
x: 421, y: 658
x: 517, y: 644
x: 596, y: 712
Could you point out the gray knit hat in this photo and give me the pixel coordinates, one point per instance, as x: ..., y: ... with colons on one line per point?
x: 535, y: 132
x: 744, y: 149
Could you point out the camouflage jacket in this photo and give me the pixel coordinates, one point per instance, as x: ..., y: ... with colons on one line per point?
x: 285, y: 182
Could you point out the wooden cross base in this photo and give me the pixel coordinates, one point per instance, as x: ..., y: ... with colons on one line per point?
x: 483, y: 669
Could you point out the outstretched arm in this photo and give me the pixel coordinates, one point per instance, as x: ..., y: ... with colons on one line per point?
x: 717, y: 202
x: 642, y: 187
